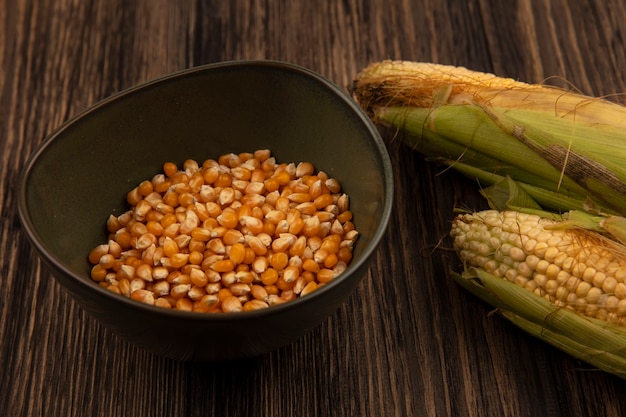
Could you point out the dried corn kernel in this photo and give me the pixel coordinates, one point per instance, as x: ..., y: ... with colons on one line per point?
x: 239, y: 233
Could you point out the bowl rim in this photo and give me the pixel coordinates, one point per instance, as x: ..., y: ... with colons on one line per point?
x: 49, y: 257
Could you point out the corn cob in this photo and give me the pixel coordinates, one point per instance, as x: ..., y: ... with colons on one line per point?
x: 566, y: 143
x: 565, y: 286
x: 572, y: 268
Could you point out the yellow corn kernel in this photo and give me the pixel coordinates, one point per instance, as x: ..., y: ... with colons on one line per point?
x: 182, y: 240
x: 255, y: 187
x: 258, y: 292
x: 312, y: 226
x: 137, y: 284
x: 331, y: 244
x: 201, y: 233
x: 217, y: 246
x: 143, y: 296
x: 98, y: 272
x: 255, y: 304
x: 344, y: 216
x: 254, y: 225
x: 177, y: 277
x: 170, y: 169
x: 167, y: 220
x: 133, y: 196
x: 288, y: 294
x: 223, y: 180
x: 309, y: 288
x: 162, y: 302
x: 232, y: 237
x: 325, y: 275
x: 210, y: 175
x: 323, y: 201
x: 123, y: 284
x: 269, y: 276
x: 284, y: 285
x: 279, y: 260
x: 290, y: 274
x: 310, y: 265
x: 249, y: 257
x: 255, y: 243
x: 298, y: 247
x: 145, y: 241
x: 113, y: 224
x: 177, y: 260
x: 179, y: 291
x: 239, y: 289
x: 184, y: 304
x: 228, y: 218
x: 344, y: 254
x: 275, y: 299
x: 209, y: 302
x: 228, y: 278
x: 106, y: 261
x: 196, y: 257
x: 283, y: 243
x: 198, y: 277
x: 330, y: 261
x: 259, y: 264
x: 237, y: 253
x: 196, y: 293
x: 296, y: 225
x: 144, y: 271
x: 161, y: 288
x: 299, y: 197
x: 170, y: 247
x: 224, y: 265
x: 155, y: 228
x: 231, y: 304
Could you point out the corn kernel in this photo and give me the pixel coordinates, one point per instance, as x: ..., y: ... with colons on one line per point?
x: 231, y: 304
x: 279, y: 260
x: 255, y: 304
x: 225, y: 265
x: 237, y: 253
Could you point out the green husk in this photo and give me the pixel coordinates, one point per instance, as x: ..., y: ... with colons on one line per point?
x: 594, y: 341
x: 504, y: 193
x: 493, y: 142
x: 562, y: 141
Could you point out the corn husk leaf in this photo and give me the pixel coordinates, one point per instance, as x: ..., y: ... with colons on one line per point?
x: 481, y: 143
x: 508, y: 195
x: 511, y: 190
x: 596, y: 342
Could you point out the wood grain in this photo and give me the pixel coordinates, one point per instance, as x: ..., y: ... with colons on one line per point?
x: 409, y: 342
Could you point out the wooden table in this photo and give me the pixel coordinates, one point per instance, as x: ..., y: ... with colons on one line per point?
x: 409, y: 341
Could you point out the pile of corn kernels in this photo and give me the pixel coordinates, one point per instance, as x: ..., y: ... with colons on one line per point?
x: 239, y: 233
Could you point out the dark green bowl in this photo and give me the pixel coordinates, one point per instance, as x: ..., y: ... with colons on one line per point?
x: 83, y: 170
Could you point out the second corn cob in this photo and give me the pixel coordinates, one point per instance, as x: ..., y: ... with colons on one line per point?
x: 573, y: 268
x: 564, y: 286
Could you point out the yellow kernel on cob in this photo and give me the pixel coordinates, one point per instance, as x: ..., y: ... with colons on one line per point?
x: 562, y: 272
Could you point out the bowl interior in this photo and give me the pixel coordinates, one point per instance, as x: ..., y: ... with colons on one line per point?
x: 83, y: 171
